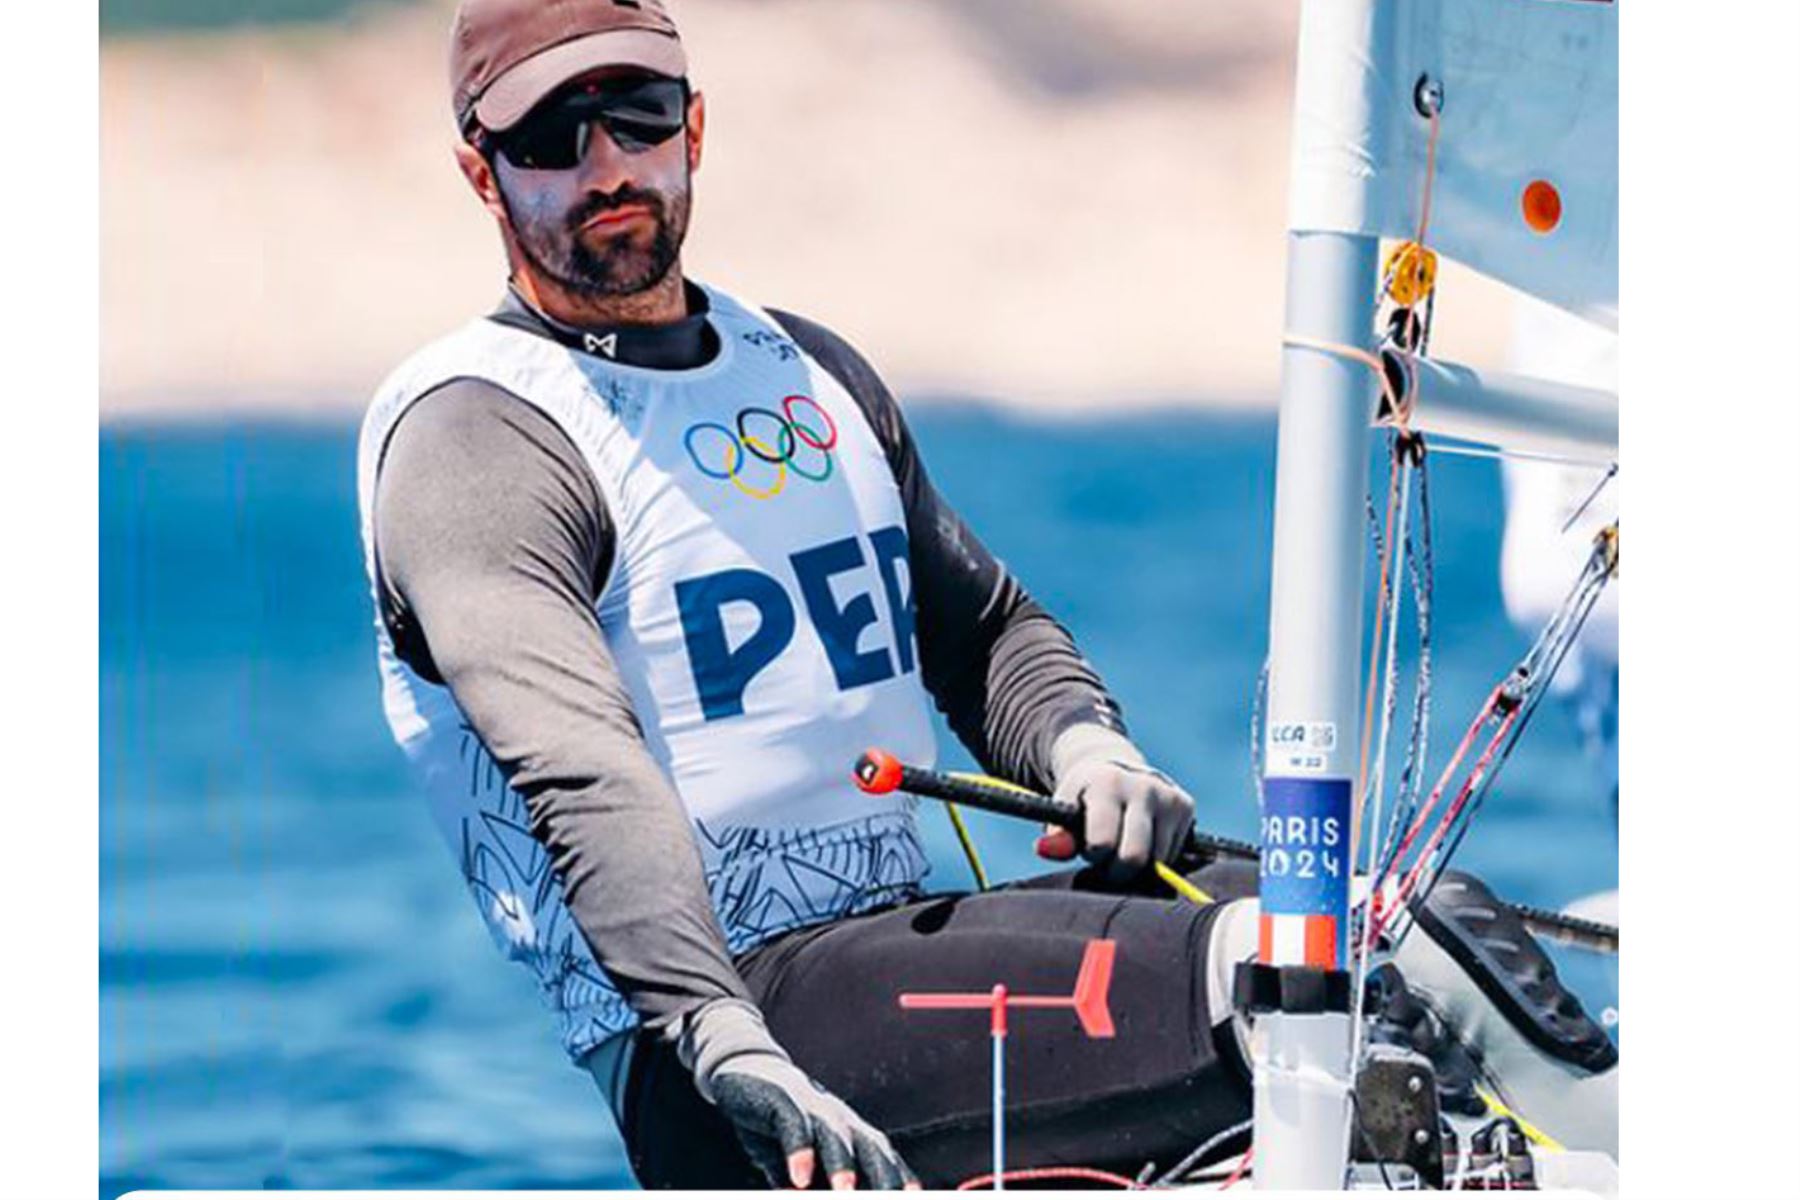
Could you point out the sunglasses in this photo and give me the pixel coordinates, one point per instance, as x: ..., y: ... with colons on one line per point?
x: 636, y: 114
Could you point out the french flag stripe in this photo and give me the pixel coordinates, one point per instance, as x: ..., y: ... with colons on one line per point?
x: 1284, y: 939
x: 1321, y: 942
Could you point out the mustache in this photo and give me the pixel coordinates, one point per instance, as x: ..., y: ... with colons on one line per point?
x: 599, y: 202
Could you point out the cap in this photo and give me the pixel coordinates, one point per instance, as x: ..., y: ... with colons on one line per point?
x: 506, y: 55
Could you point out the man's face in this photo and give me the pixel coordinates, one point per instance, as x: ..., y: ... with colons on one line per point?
x: 611, y: 225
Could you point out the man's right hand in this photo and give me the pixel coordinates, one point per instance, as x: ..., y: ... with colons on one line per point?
x: 790, y: 1126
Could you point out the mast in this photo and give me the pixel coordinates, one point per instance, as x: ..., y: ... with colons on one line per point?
x: 1298, y: 988
x: 1302, y: 1041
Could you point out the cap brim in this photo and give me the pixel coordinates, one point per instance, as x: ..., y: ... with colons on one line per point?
x: 514, y: 94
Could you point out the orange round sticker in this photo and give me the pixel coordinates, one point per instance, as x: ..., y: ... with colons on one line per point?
x: 1542, y: 205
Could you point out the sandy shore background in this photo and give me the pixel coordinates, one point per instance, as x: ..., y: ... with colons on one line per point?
x: 1054, y: 204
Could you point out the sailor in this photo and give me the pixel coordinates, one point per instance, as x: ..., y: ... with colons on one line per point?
x: 652, y: 565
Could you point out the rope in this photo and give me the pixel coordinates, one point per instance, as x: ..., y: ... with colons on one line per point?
x: 1384, y: 912
x: 1591, y: 497
x: 1038, y: 1174
x: 1431, y: 141
x: 1498, y: 1107
x: 1483, y: 765
x: 1509, y: 708
x: 1406, y: 456
x: 1421, y: 571
x: 1194, y: 1159
x: 1237, y: 1172
x: 1401, y: 408
x: 1546, y: 657
x: 1385, y: 552
x: 968, y: 846
x: 1181, y: 886
x: 1470, y: 450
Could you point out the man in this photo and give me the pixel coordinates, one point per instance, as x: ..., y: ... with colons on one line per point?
x: 652, y: 566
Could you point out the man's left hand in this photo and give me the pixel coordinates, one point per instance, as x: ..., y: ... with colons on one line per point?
x: 1132, y: 813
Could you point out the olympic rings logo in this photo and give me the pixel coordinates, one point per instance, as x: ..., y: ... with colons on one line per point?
x: 802, y: 447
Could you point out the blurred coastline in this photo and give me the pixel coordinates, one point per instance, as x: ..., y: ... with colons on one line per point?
x: 1049, y: 205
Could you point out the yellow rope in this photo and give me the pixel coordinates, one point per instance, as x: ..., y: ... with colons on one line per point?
x: 1167, y: 874
x: 968, y: 847
x: 1183, y: 888
x: 990, y: 781
x: 1496, y: 1106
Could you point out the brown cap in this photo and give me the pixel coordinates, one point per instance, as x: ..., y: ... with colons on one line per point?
x: 506, y: 55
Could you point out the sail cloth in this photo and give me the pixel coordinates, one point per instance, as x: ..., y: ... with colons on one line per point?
x: 1530, y: 101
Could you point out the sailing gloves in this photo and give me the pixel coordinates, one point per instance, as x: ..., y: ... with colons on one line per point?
x: 1133, y: 813
x: 789, y: 1125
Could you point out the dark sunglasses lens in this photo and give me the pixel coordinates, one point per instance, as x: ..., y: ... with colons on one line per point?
x: 645, y: 114
x: 635, y: 136
x: 637, y: 117
x: 547, y: 141
x: 660, y: 100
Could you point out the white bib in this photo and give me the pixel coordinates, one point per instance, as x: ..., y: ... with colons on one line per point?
x: 759, y: 609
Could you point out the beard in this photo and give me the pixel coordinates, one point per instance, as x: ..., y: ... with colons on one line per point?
x: 614, y: 264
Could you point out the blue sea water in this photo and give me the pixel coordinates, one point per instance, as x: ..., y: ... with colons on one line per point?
x: 295, y: 988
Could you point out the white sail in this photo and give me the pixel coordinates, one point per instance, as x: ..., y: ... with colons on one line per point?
x: 1529, y: 103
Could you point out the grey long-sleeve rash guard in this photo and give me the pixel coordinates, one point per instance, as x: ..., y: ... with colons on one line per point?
x: 493, y: 543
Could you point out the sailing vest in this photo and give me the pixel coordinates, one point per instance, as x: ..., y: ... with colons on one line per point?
x: 759, y: 609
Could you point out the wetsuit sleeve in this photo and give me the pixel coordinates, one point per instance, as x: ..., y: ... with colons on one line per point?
x: 1005, y: 674
x: 493, y: 542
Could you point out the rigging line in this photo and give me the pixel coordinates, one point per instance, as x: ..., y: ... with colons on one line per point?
x: 1403, y: 891
x: 1401, y: 467
x: 1420, y: 572
x: 1474, y: 450
x: 1591, y: 570
x: 991, y: 1182
x: 1480, y: 772
x: 967, y: 840
x: 1534, y: 698
x: 1409, y: 277
x: 1418, y: 825
x: 1591, y: 497
x: 1390, y: 672
x: 1386, y: 554
x: 1435, y: 861
x: 1388, y: 598
x: 1421, y: 284
x: 1194, y: 1159
x: 1237, y: 1172
x: 1398, y: 405
x: 1534, y: 675
x: 1431, y: 141
x: 1390, y: 669
x: 1594, y: 574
